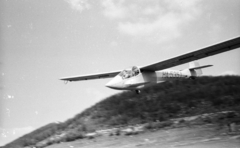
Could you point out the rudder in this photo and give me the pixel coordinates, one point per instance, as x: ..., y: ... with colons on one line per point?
x: 192, y: 67
x: 196, y: 69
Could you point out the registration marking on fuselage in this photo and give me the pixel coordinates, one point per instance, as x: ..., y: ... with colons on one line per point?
x: 172, y: 74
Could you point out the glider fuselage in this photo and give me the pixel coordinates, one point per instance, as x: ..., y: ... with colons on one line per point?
x: 145, y: 78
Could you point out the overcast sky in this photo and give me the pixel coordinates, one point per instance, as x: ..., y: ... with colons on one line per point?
x: 43, y: 40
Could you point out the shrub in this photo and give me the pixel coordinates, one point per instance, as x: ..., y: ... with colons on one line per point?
x: 118, y: 132
x: 181, y: 121
x: 73, y: 136
x: 149, y: 125
x: 207, y: 120
x: 158, y: 125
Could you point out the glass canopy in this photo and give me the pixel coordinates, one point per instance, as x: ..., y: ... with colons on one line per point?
x: 130, y: 72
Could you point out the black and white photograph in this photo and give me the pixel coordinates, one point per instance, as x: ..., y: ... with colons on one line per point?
x: 119, y: 74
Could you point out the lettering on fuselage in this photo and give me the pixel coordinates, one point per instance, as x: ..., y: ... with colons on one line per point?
x: 172, y: 74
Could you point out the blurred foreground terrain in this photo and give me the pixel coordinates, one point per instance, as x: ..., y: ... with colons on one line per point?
x: 185, y: 113
x: 207, y: 136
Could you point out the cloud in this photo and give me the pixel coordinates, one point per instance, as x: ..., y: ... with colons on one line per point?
x: 161, y: 29
x: 114, y: 43
x: 79, y: 5
x: 115, y: 9
x: 228, y: 73
x: 152, y: 20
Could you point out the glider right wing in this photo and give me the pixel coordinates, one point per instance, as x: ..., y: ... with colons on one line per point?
x: 194, y: 55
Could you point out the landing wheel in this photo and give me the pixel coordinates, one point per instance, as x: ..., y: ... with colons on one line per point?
x: 193, y: 78
x: 137, y: 91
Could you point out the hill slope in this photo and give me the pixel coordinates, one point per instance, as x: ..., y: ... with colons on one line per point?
x: 161, y: 102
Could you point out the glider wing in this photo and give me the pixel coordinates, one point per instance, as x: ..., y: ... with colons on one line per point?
x: 91, y: 76
x: 194, y: 55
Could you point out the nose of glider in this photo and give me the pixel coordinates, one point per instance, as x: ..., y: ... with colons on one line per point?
x: 115, y: 83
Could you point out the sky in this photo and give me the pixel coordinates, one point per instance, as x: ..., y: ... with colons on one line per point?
x: 44, y: 40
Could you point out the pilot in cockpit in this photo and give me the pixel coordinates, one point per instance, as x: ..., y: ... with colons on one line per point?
x: 128, y: 73
x: 135, y: 70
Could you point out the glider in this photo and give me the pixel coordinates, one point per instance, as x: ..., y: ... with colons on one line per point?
x: 136, y: 78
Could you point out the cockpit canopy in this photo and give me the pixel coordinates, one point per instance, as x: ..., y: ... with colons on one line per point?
x: 129, y: 72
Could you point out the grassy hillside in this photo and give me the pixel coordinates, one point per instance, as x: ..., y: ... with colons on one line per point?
x: 161, y: 102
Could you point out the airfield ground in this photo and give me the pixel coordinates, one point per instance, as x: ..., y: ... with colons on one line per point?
x: 204, y: 136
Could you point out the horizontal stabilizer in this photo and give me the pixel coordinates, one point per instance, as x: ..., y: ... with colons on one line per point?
x: 199, y: 67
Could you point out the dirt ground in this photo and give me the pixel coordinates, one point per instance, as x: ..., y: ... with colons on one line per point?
x: 207, y: 136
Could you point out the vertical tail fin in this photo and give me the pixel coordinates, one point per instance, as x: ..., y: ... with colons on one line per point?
x: 192, y: 68
x: 196, y: 69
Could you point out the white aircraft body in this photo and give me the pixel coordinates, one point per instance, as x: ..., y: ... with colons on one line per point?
x: 136, y: 78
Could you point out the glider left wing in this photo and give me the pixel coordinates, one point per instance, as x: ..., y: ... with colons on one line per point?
x: 91, y: 76
x: 195, y: 55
